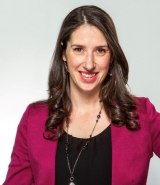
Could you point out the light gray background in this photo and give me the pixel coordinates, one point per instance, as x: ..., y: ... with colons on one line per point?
x: 28, y: 33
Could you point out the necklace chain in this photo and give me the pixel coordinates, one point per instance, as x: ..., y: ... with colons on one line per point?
x: 83, y: 148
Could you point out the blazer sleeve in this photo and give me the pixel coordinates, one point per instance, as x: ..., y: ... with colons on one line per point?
x: 154, y: 119
x: 19, y: 171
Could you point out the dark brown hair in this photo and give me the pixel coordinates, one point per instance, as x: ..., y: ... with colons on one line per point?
x: 118, y: 103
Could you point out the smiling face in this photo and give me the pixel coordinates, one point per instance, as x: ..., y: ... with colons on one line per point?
x: 88, y: 58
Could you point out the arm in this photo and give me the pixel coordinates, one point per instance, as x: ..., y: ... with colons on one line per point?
x: 20, y: 172
x: 154, y: 118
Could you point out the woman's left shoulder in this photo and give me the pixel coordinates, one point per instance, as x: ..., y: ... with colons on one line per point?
x: 147, y: 112
x: 140, y: 100
x: 152, y: 117
x: 143, y: 104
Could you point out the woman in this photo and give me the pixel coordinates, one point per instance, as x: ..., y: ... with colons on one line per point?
x: 91, y: 130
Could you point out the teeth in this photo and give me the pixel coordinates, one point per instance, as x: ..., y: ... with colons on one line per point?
x: 88, y: 75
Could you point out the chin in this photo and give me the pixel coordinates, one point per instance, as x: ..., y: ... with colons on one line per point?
x: 87, y: 89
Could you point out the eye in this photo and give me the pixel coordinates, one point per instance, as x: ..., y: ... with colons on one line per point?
x: 101, y: 50
x: 78, y: 49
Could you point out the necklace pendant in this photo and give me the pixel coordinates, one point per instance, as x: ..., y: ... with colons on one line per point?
x: 71, y: 183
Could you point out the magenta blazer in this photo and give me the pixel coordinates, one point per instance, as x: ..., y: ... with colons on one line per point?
x: 33, y: 157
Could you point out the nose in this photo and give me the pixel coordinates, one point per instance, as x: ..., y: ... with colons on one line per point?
x: 89, y: 62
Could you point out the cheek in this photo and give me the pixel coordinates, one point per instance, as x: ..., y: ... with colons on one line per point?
x: 105, y: 65
x: 74, y: 61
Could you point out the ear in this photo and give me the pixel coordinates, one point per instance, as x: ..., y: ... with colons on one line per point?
x: 112, y: 58
x: 63, y: 54
x: 64, y: 57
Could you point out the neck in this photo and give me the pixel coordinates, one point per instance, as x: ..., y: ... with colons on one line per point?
x: 84, y: 102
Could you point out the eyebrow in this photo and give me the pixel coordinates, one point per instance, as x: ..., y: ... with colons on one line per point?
x: 77, y: 45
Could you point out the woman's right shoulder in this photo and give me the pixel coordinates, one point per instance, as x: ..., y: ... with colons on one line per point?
x: 39, y: 108
x: 34, y: 118
x: 36, y: 112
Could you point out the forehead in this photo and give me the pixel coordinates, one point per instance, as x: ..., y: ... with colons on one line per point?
x: 87, y: 34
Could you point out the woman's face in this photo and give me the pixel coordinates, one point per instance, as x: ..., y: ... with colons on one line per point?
x: 88, y: 58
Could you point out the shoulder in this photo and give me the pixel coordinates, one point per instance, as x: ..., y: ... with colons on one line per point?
x: 34, y: 119
x: 38, y: 109
x: 147, y: 111
x: 140, y: 101
x: 35, y: 115
x: 143, y: 104
x: 150, y: 122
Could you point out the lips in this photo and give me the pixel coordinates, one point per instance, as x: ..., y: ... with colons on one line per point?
x: 88, y: 76
x: 88, y: 72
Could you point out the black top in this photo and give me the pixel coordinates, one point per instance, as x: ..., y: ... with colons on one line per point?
x: 94, y: 165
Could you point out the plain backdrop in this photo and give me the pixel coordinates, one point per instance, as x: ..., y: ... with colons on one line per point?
x: 28, y: 33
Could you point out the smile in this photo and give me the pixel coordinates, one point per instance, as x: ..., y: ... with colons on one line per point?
x: 88, y: 75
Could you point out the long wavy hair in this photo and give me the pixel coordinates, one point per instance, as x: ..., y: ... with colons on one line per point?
x: 118, y: 103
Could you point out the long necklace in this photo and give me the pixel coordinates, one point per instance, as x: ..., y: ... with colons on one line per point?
x: 83, y: 148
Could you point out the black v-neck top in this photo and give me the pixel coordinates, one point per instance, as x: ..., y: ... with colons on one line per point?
x: 94, y: 165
